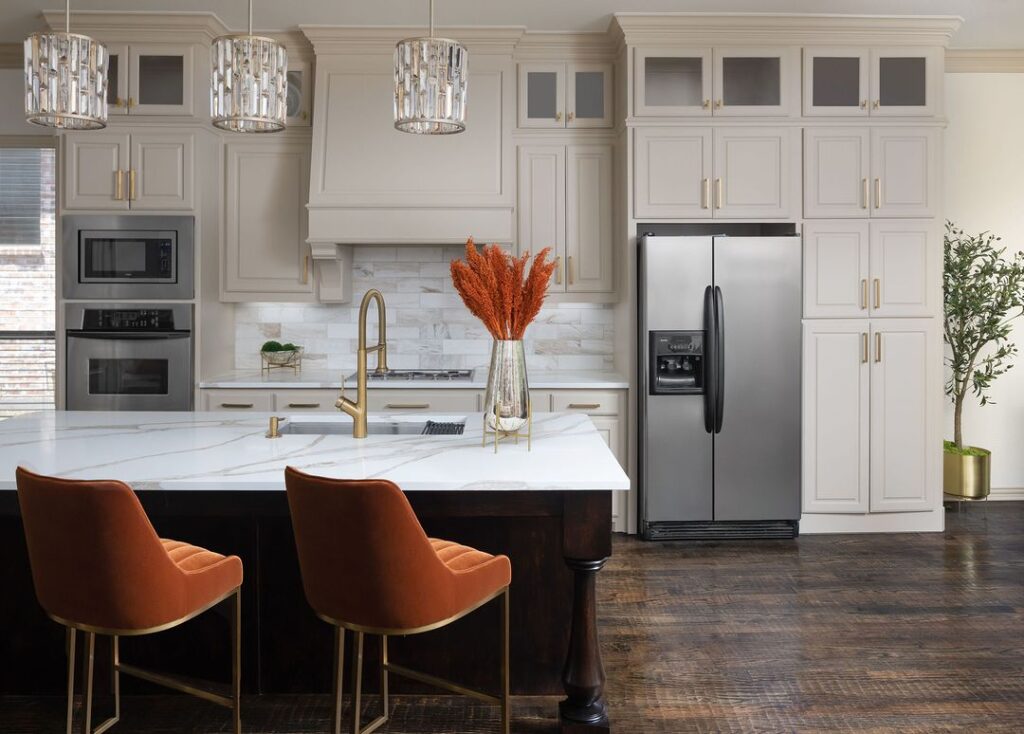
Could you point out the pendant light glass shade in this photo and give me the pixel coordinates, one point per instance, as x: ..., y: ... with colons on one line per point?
x: 248, y: 85
x: 430, y: 84
x: 65, y: 79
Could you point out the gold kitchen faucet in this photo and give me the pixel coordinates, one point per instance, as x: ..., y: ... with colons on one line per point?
x: 358, y: 409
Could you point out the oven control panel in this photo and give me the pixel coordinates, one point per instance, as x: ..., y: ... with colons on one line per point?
x: 136, y: 319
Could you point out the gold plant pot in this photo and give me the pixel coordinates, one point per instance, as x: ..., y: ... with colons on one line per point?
x: 966, y: 476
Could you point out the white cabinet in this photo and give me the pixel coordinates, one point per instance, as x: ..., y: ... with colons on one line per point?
x: 560, y: 95
x: 906, y: 81
x: 836, y: 416
x: 265, y: 255
x: 751, y: 81
x: 728, y: 172
x: 565, y: 203
x: 150, y: 79
x: 854, y: 269
x: 836, y: 81
x: 856, y: 81
x: 905, y: 440
x: 117, y: 171
x: 881, y: 172
x: 672, y: 82
x: 871, y: 438
x: 299, y: 93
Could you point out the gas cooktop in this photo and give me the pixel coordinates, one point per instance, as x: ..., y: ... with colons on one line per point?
x: 420, y: 375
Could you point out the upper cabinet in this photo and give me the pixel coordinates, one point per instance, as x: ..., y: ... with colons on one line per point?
x: 560, y: 95
x: 150, y: 79
x: 740, y: 81
x: 856, y: 81
x: 300, y: 93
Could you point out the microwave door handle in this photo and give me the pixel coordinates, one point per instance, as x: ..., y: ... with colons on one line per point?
x: 129, y: 335
x: 709, y: 360
x: 719, y: 360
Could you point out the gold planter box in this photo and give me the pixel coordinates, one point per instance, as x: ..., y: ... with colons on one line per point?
x: 966, y: 476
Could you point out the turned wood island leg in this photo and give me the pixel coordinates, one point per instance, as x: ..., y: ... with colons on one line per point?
x: 586, y: 546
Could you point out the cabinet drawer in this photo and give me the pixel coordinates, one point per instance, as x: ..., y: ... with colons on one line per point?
x: 423, y: 400
x: 591, y: 402
x: 540, y: 401
x: 305, y: 400
x: 256, y: 400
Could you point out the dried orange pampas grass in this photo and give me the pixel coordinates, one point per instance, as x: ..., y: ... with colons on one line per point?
x: 493, y: 287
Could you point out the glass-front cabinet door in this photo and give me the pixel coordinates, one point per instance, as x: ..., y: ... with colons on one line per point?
x: 754, y: 81
x: 117, y: 79
x: 904, y: 81
x: 670, y: 82
x: 300, y: 88
x: 542, y: 95
x: 160, y: 80
x: 836, y: 81
x: 589, y: 95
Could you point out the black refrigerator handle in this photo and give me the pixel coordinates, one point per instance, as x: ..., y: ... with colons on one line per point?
x: 710, y: 348
x: 719, y: 360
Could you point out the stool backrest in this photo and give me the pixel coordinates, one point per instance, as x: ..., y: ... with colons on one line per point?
x: 95, y: 557
x: 364, y: 556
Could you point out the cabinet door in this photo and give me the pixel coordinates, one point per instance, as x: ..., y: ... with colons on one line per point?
x: 836, y: 269
x: 609, y: 430
x: 117, y: 78
x: 906, y: 263
x: 542, y: 205
x: 160, y: 79
x: 836, y: 172
x: 755, y: 81
x: 265, y: 220
x: 904, y: 163
x: 96, y: 170
x: 305, y: 401
x: 589, y: 95
x: 905, y: 81
x: 588, y: 219
x: 669, y: 82
x: 161, y: 175
x: 905, y: 444
x: 836, y: 81
x: 239, y: 400
x: 541, y: 95
x: 836, y: 422
x: 300, y: 93
x: 754, y: 172
x: 672, y: 178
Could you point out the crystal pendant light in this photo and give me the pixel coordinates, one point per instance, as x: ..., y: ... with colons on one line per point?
x: 248, y: 90
x: 430, y: 84
x: 65, y: 79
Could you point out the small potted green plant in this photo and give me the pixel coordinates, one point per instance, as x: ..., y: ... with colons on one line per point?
x: 983, y: 292
x: 275, y: 354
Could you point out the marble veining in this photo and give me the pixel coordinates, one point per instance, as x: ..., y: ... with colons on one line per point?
x: 225, y: 451
x: 331, y: 379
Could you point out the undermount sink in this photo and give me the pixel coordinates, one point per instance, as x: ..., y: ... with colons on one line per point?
x: 381, y: 426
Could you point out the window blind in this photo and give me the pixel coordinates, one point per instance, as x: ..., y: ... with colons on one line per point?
x: 27, y: 195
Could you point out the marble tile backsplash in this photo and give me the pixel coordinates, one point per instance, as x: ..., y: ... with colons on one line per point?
x: 428, y: 326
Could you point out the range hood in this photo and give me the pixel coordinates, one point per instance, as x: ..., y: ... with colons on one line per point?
x: 371, y: 184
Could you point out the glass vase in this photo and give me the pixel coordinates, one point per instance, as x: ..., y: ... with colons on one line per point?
x: 507, y: 401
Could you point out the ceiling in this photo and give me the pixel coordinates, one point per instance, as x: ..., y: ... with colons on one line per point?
x: 987, y: 23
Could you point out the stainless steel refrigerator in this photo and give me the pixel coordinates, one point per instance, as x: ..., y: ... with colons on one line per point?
x: 719, y: 374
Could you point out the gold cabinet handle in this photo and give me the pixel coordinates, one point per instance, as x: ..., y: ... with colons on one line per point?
x: 864, y: 347
x: 558, y: 117
x: 705, y: 192
x: 863, y: 104
x: 119, y: 185
x: 304, y: 115
x: 707, y: 104
x: 878, y: 193
x: 131, y: 185
x: 407, y: 406
x: 236, y: 405
x: 864, y: 193
x: 568, y: 268
x: 305, y: 270
x: 571, y: 116
x: 718, y: 193
x: 876, y: 104
x: 864, y: 294
x: 584, y: 406
x: 718, y: 104
x: 878, y: 293
x: 878, y: 346
x: 558, y: 270
x: 303, y: 405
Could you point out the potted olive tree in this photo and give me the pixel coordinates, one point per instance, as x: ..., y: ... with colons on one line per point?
x: 983, y: 292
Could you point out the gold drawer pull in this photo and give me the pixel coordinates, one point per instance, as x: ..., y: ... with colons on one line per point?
x: 864, y: 348
x: 878, y: 193
x: 864, y: 293
x: 878, y: 293
x: 236, y: 405
x: 705, y: 192
x: 584, y: 406
x: 568, y: 268
x: 558, y: 270
x: 878, y: 346
x: 131, y: 185
x: 864, y: 193
x: 119, y: 185
x: 718, y: 193
x: 303, y: 405
x: 407, y: 406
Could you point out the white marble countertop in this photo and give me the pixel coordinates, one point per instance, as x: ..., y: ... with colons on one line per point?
x: 226, y: 451
x: 331, y: 379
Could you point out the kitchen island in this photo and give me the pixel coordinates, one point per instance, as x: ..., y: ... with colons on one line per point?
x: 215, y: 479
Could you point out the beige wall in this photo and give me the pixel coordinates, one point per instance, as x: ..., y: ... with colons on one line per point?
x: 12, y: 105
x: 984, y: 174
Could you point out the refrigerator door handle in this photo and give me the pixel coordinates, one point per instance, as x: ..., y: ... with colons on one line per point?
x: 719, y: 360
x: 710, y: 349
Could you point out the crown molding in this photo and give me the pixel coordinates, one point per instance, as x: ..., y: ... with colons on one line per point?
x: 561, y: 45
x: 135, y: 25
x: 12, y: 55
x: 985, y: 60
x: 370, y: 39
x: 783, y: 28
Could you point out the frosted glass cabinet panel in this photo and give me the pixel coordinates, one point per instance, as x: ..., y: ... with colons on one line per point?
x: 670, y: 82
x: 836, y: 81
x: 754, y: 81
x: 905, y: 81
x: 589, y: 95
x: 117, y: 79
x: 160, y: 80
x: 299, y: 93
x: 556, y: 95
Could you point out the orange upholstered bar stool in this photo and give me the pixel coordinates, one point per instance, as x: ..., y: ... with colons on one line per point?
x: 367, y: 566
x: 99, y: 567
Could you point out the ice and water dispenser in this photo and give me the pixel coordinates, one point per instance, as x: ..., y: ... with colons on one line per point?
x: 677, y: 362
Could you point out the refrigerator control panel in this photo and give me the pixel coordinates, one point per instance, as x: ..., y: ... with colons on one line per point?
x: 676, y: 362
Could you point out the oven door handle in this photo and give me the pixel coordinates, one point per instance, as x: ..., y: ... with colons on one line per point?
x: 133, y: 335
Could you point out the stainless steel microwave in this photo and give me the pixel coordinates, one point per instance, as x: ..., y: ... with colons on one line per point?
x: 128, y: 257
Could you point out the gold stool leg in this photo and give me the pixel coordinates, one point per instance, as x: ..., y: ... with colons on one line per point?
x: 506, y: 713
x: 236, y: 661
x: 115, y: 675
x: 357, y: 683
x: 71, y: 677
x: 88, y: 658
x: 384, y: 676
x: 339, y: 678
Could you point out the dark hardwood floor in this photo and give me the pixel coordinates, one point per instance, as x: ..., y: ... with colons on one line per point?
x: 897, y: 633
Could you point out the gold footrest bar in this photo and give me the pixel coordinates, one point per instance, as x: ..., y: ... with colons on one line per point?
x: 447, y: 685
x: 175, y: 684
x: 106, y: 725
x: 375, y: 724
